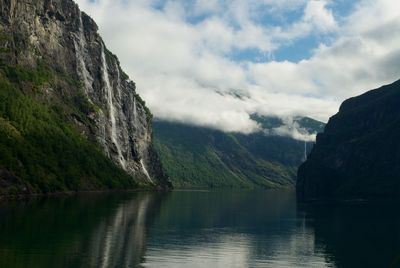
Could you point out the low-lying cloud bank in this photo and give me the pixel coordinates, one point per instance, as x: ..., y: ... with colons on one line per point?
x: 182, y: 56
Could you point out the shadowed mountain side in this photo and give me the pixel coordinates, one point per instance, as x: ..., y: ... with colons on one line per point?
x: 359, y: 152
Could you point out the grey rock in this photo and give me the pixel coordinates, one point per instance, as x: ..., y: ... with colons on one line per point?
x: 57, y: 32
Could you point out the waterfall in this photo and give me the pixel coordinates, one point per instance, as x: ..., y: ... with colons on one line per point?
x: 111, y: 107
x: 103, y: 131
x: 145, y: 171
x: 134, y: 112
x: 118, y: 80
x: 80, y: 50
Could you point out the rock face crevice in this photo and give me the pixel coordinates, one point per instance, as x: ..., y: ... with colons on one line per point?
x: 58, y: 33
x: 359, y: 152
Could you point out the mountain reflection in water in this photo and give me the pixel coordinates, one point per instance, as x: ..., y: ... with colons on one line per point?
x: 198, y: 229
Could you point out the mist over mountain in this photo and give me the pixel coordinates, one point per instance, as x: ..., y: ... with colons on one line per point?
x: 191, y: 59
x: 198, y: 157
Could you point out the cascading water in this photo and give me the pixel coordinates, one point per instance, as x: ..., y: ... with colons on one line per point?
x: 111, y: 107
x: 145, y: 171
x: 112, y: 99
x: 118, y: 81
x: 134, y: 111
x: 82, y: 70
x: 80, y: 51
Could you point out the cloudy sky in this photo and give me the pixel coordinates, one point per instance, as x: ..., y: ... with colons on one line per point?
x: 215, y: 62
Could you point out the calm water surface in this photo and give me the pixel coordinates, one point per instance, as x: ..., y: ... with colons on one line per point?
x: 198, y: 229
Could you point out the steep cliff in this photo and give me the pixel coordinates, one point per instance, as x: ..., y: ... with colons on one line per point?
x: 52, y: 53
x: 359, y: 152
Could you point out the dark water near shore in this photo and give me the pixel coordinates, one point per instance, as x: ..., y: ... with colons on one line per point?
x: 198, y: 229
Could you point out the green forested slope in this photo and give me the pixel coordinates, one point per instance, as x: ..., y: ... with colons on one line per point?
x: 197, y: 157
x: 41, y: 150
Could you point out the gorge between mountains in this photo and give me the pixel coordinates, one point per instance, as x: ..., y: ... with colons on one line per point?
x: 90, y: 178
x: 71, y: 120
x: 73, y: 99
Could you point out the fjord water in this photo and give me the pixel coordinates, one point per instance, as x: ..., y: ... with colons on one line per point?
x: 198, y: 229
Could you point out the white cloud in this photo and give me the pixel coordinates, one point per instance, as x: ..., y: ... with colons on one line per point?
x: 179, y: 65
x: 202, y: 7
x: 317, y: 14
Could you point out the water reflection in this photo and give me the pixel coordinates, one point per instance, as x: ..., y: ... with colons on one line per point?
x: 232, y: 229
x: 198, y: 229
x: 120, y: 240
x: 357, y: 233
x: 86, y: 231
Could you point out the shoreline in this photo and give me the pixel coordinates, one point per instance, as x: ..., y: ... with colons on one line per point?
x: 23, y: 197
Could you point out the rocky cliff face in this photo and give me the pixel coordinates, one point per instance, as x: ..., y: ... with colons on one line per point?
x: 359, y: 152
x: 58, y: 34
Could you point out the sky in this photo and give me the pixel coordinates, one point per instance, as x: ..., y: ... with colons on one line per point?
x: 215, y: 62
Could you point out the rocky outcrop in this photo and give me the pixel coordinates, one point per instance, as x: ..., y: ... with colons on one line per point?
x: 359, y: 152
x: 58, y: 34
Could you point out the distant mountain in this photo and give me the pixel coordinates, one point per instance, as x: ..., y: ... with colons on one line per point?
x: 359, y: 152
x: 305, y: 125
x: 198, y: 157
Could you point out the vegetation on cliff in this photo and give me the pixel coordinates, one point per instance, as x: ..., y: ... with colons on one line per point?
x: 198, y: 157
x: 41, y: 149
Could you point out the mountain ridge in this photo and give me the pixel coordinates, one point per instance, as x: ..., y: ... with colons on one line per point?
x: 200, y: 157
